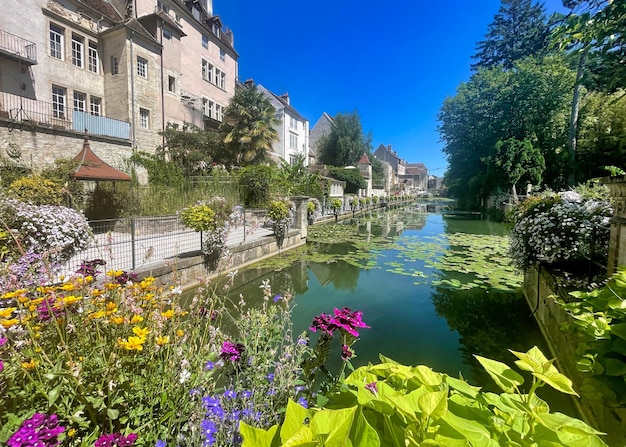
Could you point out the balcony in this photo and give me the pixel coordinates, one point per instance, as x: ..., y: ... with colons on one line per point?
x: 45, y: 114
x: 17, y: 49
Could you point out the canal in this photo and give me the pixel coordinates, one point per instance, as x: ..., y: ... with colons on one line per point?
x: 434, y: 288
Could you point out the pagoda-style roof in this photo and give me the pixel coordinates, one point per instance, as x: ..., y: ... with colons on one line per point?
x: 91, y: 167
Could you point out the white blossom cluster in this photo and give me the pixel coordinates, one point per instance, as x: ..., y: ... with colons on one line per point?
x: 56, y: 231
x: 571, y: 229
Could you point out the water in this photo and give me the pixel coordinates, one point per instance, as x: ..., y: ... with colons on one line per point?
x: 389, y: 270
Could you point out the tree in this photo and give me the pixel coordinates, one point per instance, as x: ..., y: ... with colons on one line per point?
x: 518, y: 160
x: 519, y: 29
x: 248, y: 127
x: 192, y: 149
x: 353, y: 178
x: 346, y: 143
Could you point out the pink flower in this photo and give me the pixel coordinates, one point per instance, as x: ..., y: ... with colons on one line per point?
x: 348, y: 321
x: 232, y: 351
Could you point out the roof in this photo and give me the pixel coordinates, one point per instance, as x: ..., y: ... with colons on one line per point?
x: 104, y: 7
x: 364, y: 159
x: 91, y: 167
x: 282, y: 102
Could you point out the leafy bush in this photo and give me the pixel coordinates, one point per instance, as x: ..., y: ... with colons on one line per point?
x: 279, y: 210
x: 560, y: 229
x: 109, y: 201
x: 255, y: 185
x: 599, y: 322
x: 353, y: 178
x: 36, y: 190
x: 200, y: 217
x: 335, y: 205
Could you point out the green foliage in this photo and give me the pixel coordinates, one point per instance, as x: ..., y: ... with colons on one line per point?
x: 160, y: 171
x: 248, y: 128
x: 255, y: 185
x: 278, y: 210
x: 200, y: 217
x: 393, y: 404
x: 36, y: 191
x: 109, y: 200
x: 335, y: 204
x: 519, y: 29
x: 346, y: 143
x: 599, y: 324
x: 353, y: 178
x: 311, y: 207
x: 11, y: 171
x: 191, y: 149
x: 529, y: 102
x: 518, y: 161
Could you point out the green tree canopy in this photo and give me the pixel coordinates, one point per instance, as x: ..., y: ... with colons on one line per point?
x: 346, y: 143
x: 353, y: 178
x: 518, y: 160
x: 519, y: 29
x: 192, y: 149
x: 248, y: 127
x: 531, y: 101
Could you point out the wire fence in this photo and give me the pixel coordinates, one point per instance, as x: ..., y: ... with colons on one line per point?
x: 135, y: 242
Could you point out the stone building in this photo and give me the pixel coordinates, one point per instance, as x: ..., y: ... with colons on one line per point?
x: 121, y: 70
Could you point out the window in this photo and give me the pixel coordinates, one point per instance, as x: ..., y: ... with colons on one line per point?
x: 219, y: 112
x: 171, y: 84
x: 222, y: 54
x: 205, y: 41
x: 292, y: 160
x: 211, y: 109
x: 115, y: 65
x: 78, y: 49
x: 58, y: 102
x: 205, y: 103
x: 207, y: 71
x: 167, y: 34
x: 56, y: 41
x: 142, y: 67
x: 293, y: 141
x: 144, y: 118
x: 220, y: 79
x: 216, y: 30
x: 95, y: 105
x: 293, y: 124
x: 163, y: 7
x: 80, y: 101
x: 93, y: 60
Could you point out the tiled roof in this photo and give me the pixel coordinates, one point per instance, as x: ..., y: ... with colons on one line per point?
x: 91, y: 167
x: 364, y: 159
x: 103, y: 7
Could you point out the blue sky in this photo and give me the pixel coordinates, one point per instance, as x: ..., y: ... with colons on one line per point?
x: 392, y: 61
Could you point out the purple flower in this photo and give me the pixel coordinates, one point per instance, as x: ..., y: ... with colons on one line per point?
x: 209, y: 428
x: 160, y: 443
x: 2, y: 341
x: 270, y: 377
x: 372, y: 387
x: 232, y: 351
x: 302, y: 401
x: 346, y: 352
x: 89, y: 268
x: 323, y: 323
x: 247, y: 394
x: 209, y: 365
x: 39, y: 430
x: 348, y: 321
x: 303, y: 341
x: 277, y: 298
x: 230, y: 394
x: 47, y: 310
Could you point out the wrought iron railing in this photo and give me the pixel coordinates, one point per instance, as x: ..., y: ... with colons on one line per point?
x: 18, y: 47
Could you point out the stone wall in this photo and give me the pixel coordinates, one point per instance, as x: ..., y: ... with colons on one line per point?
x: 538, y: 286
x: 617, y: 238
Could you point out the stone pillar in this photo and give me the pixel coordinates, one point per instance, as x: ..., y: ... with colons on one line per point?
x: 302, y: 222
x: 617, y: 238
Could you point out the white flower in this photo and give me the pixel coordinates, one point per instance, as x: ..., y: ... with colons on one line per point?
x: 184, y: 376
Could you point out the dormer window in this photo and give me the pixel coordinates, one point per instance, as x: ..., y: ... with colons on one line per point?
x: 217, y: 30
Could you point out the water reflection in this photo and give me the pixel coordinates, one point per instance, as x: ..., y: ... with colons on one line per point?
x: 412, y: 321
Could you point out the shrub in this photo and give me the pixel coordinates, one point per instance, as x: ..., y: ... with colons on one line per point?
x: 255, y: 185
x: 109, y: 201
x: 36, y: 190
x: 335, y: 204
x: 279, y: 210
x: 353, y: 178
x: 200, y: 217
x: 560, y: 229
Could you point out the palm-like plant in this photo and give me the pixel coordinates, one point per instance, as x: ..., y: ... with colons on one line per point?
x: 248, y: 127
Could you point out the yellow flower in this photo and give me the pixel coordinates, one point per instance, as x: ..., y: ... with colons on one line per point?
x: 167, y: 314
x: 14, y: 294
x: 84, y: 280
x: 30, y: 365
x: 96, y: 315
x: 6, y: 313
x: 162, y: 340
x: 114, y: 273
x: 97, y: 292
x: 133, y: 343
x: 71, y: 432
x: 111, y: 285
x: 9, y: 323
x: 68, y: 286
x: 117, y: 320
x: 45, y: 289
x: 180, y: 332
x: 147, y: 282
x: 136, y: 319
x: 141, y: 332
x: 71, y: 299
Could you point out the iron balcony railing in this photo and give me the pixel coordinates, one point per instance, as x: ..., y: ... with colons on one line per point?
x: 19, y: 108
x: 18, y: 48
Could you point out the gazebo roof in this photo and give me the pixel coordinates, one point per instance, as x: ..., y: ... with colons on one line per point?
x: 91, y: 167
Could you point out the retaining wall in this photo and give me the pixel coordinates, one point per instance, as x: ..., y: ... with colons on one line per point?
x: 538, y: 286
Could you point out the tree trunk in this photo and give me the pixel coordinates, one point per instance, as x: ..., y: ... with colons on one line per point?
x: 573, y: 123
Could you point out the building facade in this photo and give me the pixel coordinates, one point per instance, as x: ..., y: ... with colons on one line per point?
x: 120, y: 70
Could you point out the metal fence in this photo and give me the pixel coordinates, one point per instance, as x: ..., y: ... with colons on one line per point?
x: 136, y: 242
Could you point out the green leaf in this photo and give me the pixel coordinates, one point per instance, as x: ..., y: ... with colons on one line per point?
x: 557, y: 381
x: 112, y: 413
x: 614, y: 367
x: 336, y: 423
x: 463, y: 387
x: 295, y: 418
x: 363, y: 434
x: 533, y: 360
x: 302, y: 438
x: 474, y: 431
x: 619, y: 330
x: 54, y: 394
x: 434, y: 404
x: 256, y: 437
x: 506, y: 378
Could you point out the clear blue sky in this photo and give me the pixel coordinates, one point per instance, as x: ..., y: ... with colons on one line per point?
x: 392, y: 61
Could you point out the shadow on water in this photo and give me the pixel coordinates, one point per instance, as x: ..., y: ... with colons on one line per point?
x: 393, y: 268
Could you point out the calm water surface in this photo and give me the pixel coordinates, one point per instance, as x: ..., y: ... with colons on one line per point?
x: 412, y: 322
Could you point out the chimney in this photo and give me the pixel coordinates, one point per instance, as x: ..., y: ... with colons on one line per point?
x: 249, y: 83
x: 389, y: 148
x: 285, y: 97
